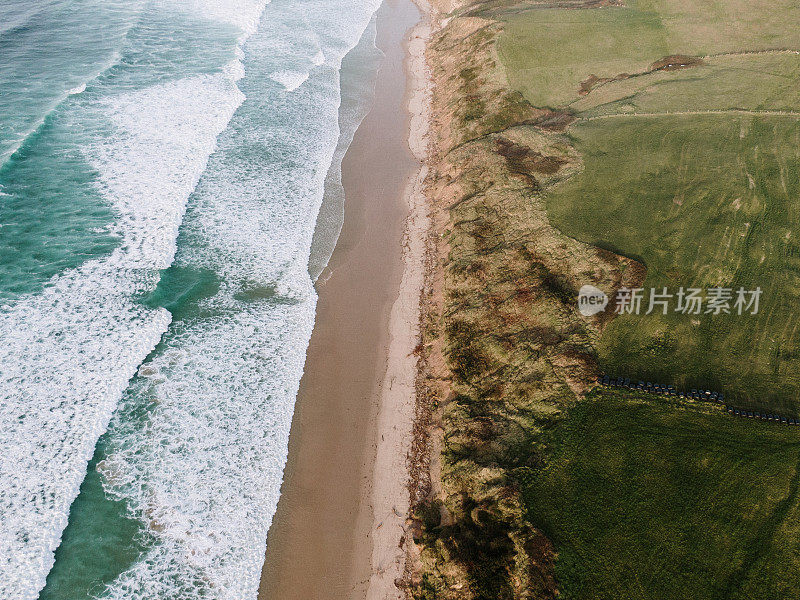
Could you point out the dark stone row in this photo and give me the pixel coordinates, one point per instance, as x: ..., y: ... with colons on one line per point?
x: 702, y: 395
x: 754, y: 414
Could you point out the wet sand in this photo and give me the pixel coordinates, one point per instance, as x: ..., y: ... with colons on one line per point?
x: 320, y: 545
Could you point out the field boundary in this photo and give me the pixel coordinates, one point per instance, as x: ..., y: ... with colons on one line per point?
x: 680, y: 113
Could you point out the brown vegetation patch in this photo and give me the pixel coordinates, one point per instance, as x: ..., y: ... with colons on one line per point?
x: 631, y: 274
x: 675, y: 62
x: 542, y: 555
x: 588, y: 84
x: 553, y: 120
x: 524, y: 160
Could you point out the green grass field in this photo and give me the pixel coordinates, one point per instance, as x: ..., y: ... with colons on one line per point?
x: 548, y: 52
x: 702, y: 201
x: 694, y: 171
x: 646, y: 499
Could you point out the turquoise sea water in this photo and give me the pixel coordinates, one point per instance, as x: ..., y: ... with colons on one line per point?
x: 162, y: 171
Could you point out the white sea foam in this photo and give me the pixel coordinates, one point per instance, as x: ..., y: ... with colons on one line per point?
x: 244, y: 14
x: 77, y: 90
x: 69, y: 352
x: 290, y: 80
x: 318, y: 59
x: 64, y: 366
x: 358, y: 95
x: 163, y: 137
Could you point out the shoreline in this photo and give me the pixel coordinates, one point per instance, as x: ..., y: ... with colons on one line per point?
x: 340, y: 523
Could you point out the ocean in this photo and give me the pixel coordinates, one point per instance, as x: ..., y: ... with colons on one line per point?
x: 169, y: 191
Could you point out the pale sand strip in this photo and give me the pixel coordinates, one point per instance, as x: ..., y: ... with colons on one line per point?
x: 390, y: 495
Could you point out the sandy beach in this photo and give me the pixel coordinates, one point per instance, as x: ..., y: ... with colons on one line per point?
x: 340, y: 522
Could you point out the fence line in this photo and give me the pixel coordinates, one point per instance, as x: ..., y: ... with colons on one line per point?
x: 694, y: 394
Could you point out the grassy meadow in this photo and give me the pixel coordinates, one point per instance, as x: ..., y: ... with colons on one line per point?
x: 702, y: 201
x: 644, y: 498
x: 693, y: 171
